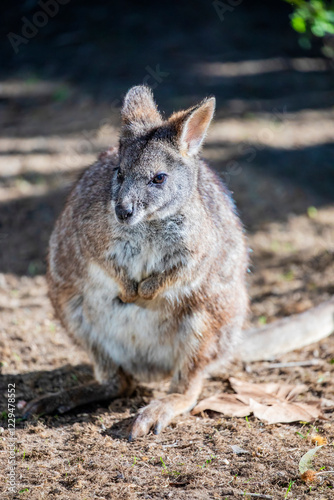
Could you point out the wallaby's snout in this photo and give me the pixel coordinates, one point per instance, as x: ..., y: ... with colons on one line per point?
x: 126, y: 199
x: 124, y: 211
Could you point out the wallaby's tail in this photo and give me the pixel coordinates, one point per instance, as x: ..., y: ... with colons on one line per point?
x: 289, y: 333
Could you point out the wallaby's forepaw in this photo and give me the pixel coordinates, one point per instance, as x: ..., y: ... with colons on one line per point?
x: 147, y: 289
x: 130, y: 293
x: 157, y: 415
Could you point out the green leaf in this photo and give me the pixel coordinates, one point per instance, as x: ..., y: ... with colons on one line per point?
x: 298, y: 24
x: 312, y: 212
x: 318, y: 30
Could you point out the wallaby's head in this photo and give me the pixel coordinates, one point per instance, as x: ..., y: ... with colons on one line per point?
x: 158, y: 159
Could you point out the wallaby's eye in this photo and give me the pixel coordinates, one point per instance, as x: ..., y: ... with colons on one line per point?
x: 159, y: 178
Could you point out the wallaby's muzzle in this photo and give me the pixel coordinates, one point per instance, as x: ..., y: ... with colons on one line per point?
x: 124, y: 212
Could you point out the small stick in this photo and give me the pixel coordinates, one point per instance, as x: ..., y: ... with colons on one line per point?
x: 258, y: 495
x: 292, y: 364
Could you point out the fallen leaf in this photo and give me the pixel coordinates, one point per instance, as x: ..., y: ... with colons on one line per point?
x: 223, y: 403
x: 283, y: 411
x: 305, y: 463
x: 272, y: 403
x: 265, y: 392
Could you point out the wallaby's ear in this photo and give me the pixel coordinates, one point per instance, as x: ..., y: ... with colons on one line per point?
x: 139, y: 111
x: 192, y: 125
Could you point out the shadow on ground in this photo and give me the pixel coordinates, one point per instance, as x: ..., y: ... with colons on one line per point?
x: 37, y: 384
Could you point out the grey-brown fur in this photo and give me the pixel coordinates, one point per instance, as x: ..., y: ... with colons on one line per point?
x: 162, y: 291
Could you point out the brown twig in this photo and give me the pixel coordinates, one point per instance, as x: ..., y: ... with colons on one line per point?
x: 258, y: 495
x: 293, y: 364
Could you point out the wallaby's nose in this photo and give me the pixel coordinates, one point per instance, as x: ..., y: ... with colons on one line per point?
x: 124, y: 212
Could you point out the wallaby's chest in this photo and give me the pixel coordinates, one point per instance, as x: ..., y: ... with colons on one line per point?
x: 138, y: 258
x: 149, y: 251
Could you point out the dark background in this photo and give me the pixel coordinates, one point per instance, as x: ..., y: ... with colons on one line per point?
x: 70, y: 78
x: 104, y: 47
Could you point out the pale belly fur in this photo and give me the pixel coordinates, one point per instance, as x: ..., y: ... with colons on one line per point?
x: 136, y: 337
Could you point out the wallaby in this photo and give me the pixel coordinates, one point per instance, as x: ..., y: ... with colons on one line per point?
x: 147, y: 264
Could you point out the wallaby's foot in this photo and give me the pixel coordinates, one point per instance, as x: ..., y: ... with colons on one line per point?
x: 63, y: 401
x: 158, y: 414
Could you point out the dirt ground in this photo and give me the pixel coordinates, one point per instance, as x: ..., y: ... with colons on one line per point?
x: 273, y: 144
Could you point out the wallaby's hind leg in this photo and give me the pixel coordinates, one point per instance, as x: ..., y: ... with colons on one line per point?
x: 159, y: 413
x: 63, y: 401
